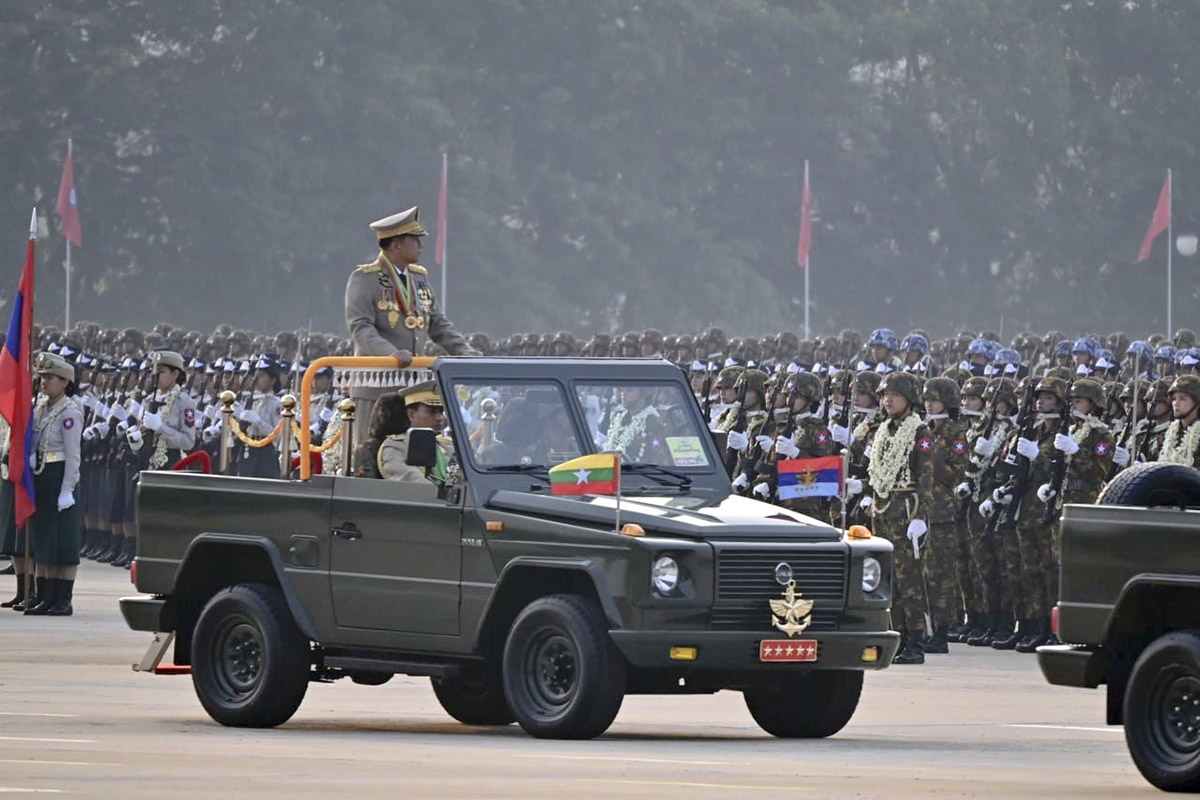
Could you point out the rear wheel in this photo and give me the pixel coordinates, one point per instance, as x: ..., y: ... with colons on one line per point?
x: 809, y: 706
x: 1153, y: 484
x: 474, y: 699
x: 1162, y: 712
x: 250, y: 662
x: 563, y: 676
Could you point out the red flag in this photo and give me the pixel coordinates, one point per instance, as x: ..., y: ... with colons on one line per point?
x: 1161, y: 220
x: 805, y: 223
x: 68, y: 207
x: 16, y: 387
x: 439, y: 249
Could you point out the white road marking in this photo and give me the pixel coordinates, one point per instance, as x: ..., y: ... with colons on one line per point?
x: 709, y: 785
x: 636, y: 760
x: 1116, y: 729
x: 31, y: 739
x: 18, y: 790
x: 31, y: 714
x: 38, y: 762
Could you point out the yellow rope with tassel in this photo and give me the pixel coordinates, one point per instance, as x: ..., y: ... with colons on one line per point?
x: 319, y: 448
x: 246, y: 440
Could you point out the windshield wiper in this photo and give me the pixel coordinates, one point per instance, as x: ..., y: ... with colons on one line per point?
x: 534, y: 470
x: 660, y: 475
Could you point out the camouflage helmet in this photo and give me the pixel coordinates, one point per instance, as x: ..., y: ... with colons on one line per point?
x: 805, y: 384
x: 1090, y: 389
x: 944, y: 389
x: 1158, y: 392
x: 756, y: 379
x: 479, y: 340
x: 1184, y: 338
x: 1054, y: 386
x: 632, y: 338
x: 1186, y: 384
x: 1001, y: 390
x: 652, y: 336
x: 788, y: 341
x: 129, y: 335
x: 286, y: 339
x: 1063, y: 374
x: 685, y: 340
x: 531, y: 340
x: 715, y: 337
x: 904, y: 384
x: 1133, y: 389
x: 602, y: 338
x: 957, y: 374
x: 867, y: 382
x: 727, y: 378
x: 974, y: 387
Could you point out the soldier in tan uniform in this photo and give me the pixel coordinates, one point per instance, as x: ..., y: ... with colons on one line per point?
x: 390, y: 307
x: 425, y: 409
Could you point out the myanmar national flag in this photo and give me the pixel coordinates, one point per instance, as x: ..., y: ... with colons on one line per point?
x: 594, y: 474
x: 810, y: 477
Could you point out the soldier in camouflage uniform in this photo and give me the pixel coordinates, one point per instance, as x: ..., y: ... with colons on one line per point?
x: 941, y: 545
x: 901, y: 477
x: 1181, y: 441
x: 799, y: 433
x: 743, y: 422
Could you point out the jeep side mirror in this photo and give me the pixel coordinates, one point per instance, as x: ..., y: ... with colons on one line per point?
x: 422, y: 448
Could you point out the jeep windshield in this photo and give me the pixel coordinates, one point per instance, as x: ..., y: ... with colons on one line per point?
x: 531, y: 425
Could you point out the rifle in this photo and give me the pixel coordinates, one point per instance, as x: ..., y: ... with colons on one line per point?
x: 756, y: 451
x: 976, y: 468
x: 1015, y: 466
x: 1058, y: 467
x: 739, y: 423
x: 706, y: 391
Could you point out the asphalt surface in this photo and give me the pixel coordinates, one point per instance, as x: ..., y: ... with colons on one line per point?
x: 75, y: 719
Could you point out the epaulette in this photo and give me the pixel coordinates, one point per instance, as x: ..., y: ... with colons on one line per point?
x: 398, y: 437
x: 417, y: 269
x: 369, y: 269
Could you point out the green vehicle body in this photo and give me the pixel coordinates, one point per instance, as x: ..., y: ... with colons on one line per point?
x: 1128, y: 576
x: 386, y: 577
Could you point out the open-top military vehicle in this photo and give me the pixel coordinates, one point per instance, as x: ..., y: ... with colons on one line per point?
x: 519, y: 603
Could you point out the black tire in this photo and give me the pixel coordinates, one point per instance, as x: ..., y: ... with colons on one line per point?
x: 1162, y: 712
x: 475, y: 699
x: 250, y: 662
x: 563, y: 676
x: 809, y: 706
x: 1153, y: 484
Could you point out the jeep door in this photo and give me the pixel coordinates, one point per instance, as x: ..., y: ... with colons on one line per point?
x: 396, y: 556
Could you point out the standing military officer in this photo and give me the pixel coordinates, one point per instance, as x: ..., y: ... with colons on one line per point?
x: 390, y: 306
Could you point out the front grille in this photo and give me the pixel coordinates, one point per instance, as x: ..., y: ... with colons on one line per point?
x: 746, y: 581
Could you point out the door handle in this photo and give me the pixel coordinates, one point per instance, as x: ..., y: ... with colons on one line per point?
x: 347, y: 530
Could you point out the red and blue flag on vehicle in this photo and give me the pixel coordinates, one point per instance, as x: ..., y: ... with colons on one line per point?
x: 16, y: 387
x: 809, y: 477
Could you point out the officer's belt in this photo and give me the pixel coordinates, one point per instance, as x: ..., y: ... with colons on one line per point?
x: 53, y: 457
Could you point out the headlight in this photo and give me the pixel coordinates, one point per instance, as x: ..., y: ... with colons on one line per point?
x: 664, y: 575
x: 872, y: 574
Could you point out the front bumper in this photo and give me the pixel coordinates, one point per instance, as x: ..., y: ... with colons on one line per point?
x: 149, y: 613
x: 738, y: 650
x: 1072, y: 665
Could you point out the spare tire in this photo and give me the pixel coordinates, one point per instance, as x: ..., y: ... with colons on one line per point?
x: 1153, y: 484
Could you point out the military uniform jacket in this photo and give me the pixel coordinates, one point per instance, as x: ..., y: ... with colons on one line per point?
x: 269, y: 411
x: 393, y: 454
x: 1088, y: 469
x: 950, y: 454
x: 377, y: 328
x: 920, y: 469
x: 178, y: 428
x: 1179, y: 444
x: 56, y: 435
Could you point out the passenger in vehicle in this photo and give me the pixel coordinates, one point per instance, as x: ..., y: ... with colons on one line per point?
x: 388, y: 418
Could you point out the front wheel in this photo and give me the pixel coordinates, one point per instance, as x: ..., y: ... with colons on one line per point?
x: 563, y: 676
x: 810, y: 706
x: 250, y: 662
x: 1162, y: 712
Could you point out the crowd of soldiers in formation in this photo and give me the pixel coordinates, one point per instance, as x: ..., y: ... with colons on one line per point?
x: 960, y: 451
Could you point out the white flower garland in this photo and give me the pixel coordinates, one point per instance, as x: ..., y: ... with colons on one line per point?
x: 1087, y: 424
x: 1179, y: 446
x: 891, y: 454
x: 158, y: 459
x: 625, y: 436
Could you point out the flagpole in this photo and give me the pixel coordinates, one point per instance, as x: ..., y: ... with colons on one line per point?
x: 441, y: 224
x: 67, y: 314
x: 807, y: 261
x: 1170, y: 246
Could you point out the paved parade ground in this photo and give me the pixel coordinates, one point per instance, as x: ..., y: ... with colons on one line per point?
x: 75, y: 719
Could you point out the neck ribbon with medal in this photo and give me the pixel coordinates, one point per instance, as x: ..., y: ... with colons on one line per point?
x: 403, y: 302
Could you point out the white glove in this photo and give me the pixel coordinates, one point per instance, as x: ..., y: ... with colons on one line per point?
x: 135, y: 408
x: 785, y: 447
x: 102, y: 428
x: 740, y: 482
x: 865, y: 503
x: 853, y: 486
x: 249, y: 416
x: 841, y: 435
x: 89, y: 433
x: 737, y: 440
x: 1027, y: 448
x: 315, y: 429
x: 1066, y: 444
x: 987, y: 508
x: 326, y: 414
x: 1002, y: 496
x: 916, y: 529
x: 1045, y: 492
x: 962, y: 491
x: 985, y: 447
x: 210, y: 433
x: 761, y: 490
x: 1120, y: 456
x: 65, y: 501
x: 122, y: 426
x: 764, y: 442
x: 152, y: 421
x: 867, y: 452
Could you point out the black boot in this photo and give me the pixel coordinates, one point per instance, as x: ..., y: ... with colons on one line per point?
x: 1039, y: 635
x: 913, y: 653
x: 1007, y: 640
x: 45, y: 598
x: 938, y: 644
x: 62, y: 599
x: 958, y: 632
x: 39, y: 587
x: 92, y: 549
x: 125, y: 557
x: 20, y: 598
x: 114, y: 549
x: 980, y: 624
